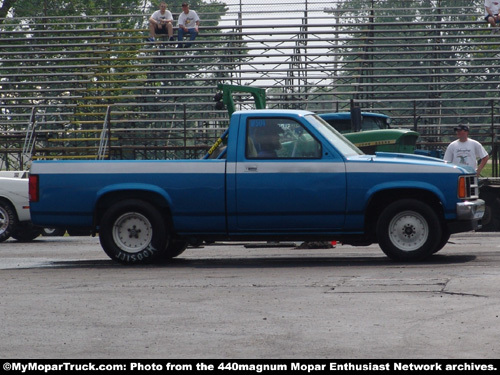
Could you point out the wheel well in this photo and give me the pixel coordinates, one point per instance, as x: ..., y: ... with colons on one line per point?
x: 112, y: 198
x: 381, y: 199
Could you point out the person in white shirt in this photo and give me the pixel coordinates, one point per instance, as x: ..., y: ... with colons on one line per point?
x: 466, y: 151
x: 188, y: 23
x: 160, y: 22
x: 491, y: 10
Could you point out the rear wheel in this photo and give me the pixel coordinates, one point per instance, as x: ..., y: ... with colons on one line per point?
x: 79, y: 232
x: 409, y: 230
x: 25, y: 232
x: 174, y: 248
x: 53, y: 232
x: 133, y: 232
x: 8, y: 220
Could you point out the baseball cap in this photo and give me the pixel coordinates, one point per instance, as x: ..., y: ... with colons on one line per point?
x: 461, y: 127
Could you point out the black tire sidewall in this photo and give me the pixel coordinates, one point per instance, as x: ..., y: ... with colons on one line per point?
x: 434, y: 227
x: 25, y: 232
x: 491, y: 219
x: 175, y: 248
x: 444, y: 239
x: 156, y: 248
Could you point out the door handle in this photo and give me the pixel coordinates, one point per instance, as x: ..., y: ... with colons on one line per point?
x: 251, y: 168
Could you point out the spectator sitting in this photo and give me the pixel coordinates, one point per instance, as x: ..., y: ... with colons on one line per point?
x: 161, y: 23
x: 188, y: 23
x: 491, y: 10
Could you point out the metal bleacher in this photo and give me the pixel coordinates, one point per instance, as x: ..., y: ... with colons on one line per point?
x: 429, y: 68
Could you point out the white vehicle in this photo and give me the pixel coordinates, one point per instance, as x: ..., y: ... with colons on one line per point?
x: 15, y: 220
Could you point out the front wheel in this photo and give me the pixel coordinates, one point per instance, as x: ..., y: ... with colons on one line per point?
x: 409, y: 230
x: 133, y: 232
x: 444, y: 240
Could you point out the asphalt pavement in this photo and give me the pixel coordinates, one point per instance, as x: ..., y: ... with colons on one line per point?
x: 62, y: 297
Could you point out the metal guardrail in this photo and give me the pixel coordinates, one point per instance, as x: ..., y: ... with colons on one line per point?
x: 105, y: 136
x: 29, y: 141
x: 307, y: 63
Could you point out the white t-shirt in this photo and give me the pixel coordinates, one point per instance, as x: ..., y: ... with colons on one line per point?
x: 494, y: 6
x: 157, y: 16
x: 188, y: 20
x: 465, y: 153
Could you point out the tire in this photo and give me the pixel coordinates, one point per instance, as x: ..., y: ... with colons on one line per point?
x: 491, y: 218
x: 79, y: 232
x: 409, y: 230
x: 8, y: 220
x: 53, y: 232
x: 25, y: 232
x: 194, y: 242
x: 444, y: 240
x: 174, y: 248
x: 133, y: 232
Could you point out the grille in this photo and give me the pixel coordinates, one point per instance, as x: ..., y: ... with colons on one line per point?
x: 472, y: 186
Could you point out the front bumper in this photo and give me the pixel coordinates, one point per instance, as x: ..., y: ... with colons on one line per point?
x: 469, y: 215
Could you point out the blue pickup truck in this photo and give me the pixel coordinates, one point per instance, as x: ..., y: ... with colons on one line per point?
x: 281, y: 175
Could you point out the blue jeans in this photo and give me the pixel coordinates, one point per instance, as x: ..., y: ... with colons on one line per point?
x: 180, y: 36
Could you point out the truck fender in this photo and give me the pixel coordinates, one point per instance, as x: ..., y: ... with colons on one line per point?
x: 405, y: 185
x: 428, y: 189
x: 150, y: 192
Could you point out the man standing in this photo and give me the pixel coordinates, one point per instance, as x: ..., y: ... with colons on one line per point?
x: 161, y: 23
x: 188, y: 24
x: 466, y: 151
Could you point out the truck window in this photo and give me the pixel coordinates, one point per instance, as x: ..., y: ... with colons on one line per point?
x: 341, y: 121
x: 342, y: 145
x: 373, y: 123
x: 280, y: 138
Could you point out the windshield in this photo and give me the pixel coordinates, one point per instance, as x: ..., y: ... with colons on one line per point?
x: 374, y: 123
x: 342, y: 145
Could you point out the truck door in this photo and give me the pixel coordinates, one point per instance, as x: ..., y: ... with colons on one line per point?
x: 284, y: 180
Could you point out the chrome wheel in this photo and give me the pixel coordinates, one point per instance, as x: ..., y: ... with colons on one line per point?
x: 8, y: 220
x: 4, y: 219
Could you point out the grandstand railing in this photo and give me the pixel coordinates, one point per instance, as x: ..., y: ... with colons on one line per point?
x: 427, y: 74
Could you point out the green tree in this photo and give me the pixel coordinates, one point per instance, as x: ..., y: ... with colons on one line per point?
x: 413, y: 49
x: 43, y: 20
x: 71, y: 59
